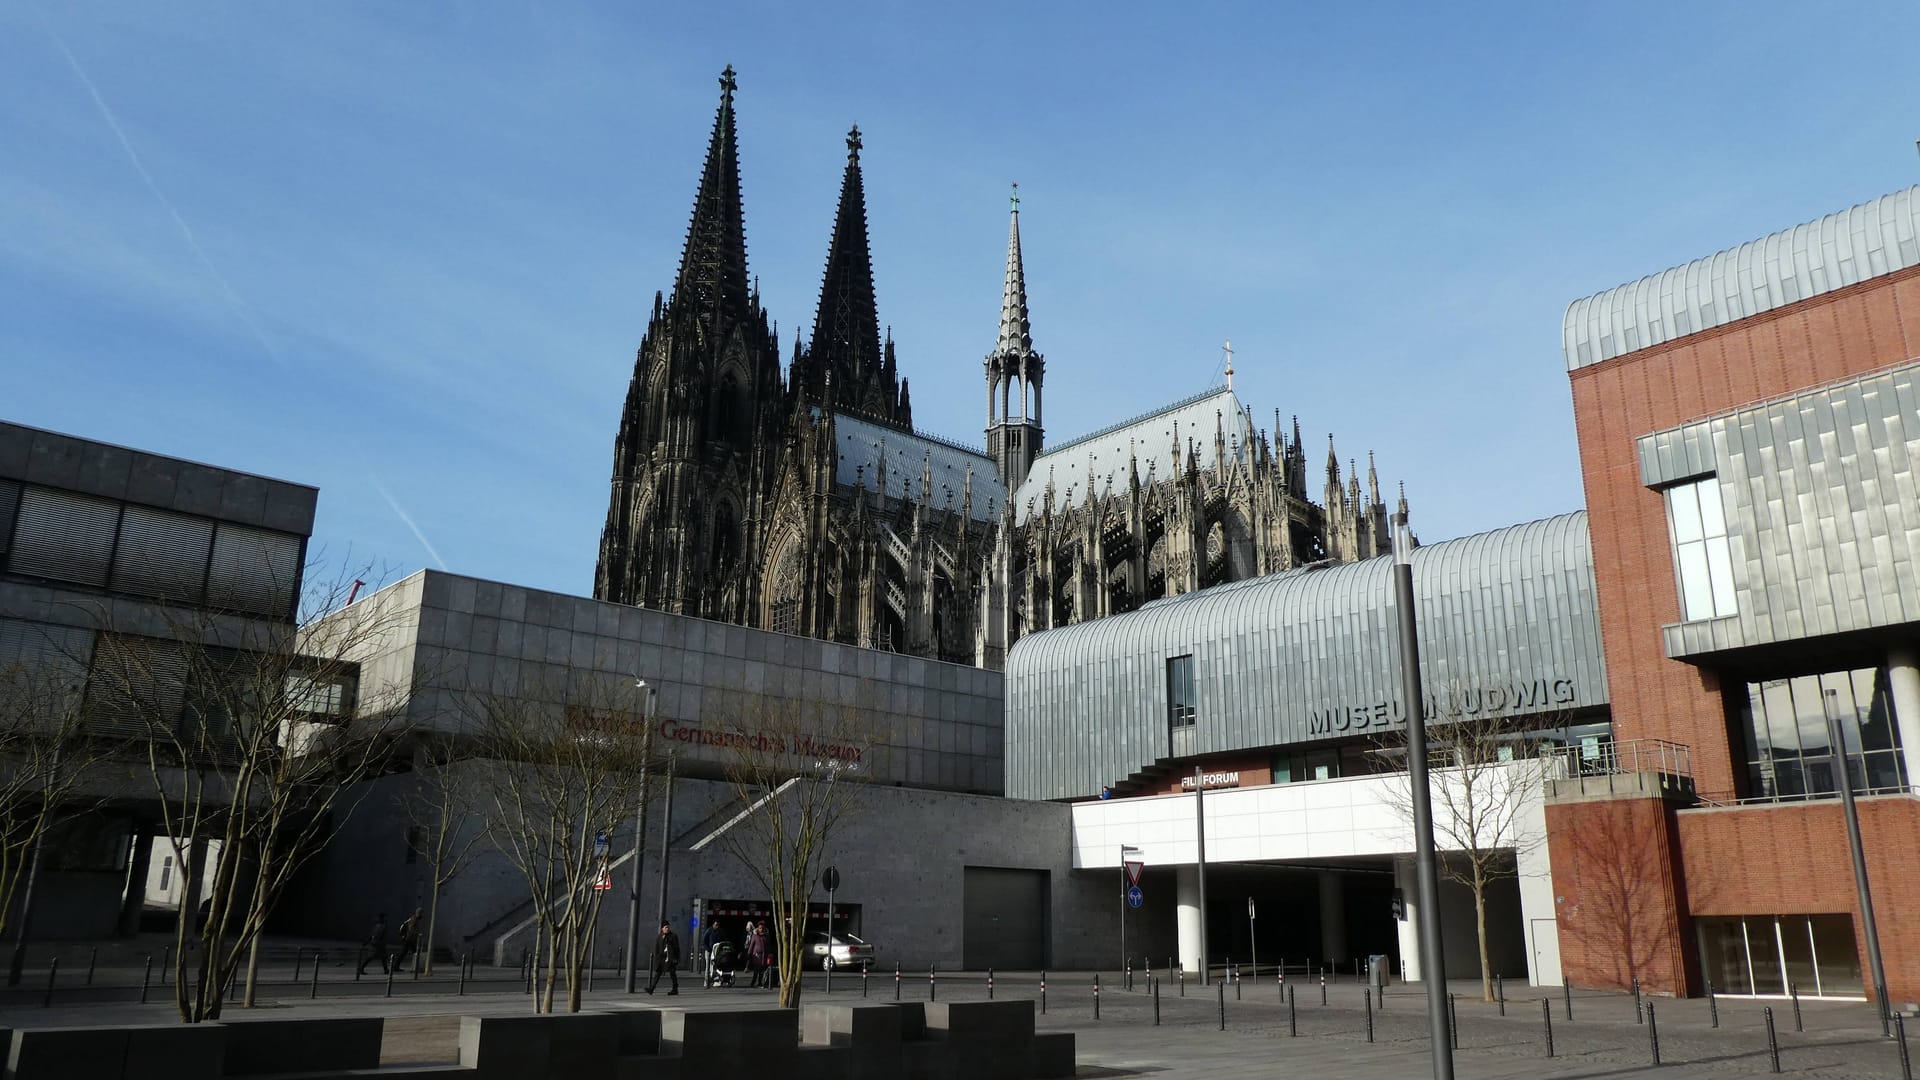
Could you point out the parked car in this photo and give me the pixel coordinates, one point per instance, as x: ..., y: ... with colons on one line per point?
x: 842, y: 951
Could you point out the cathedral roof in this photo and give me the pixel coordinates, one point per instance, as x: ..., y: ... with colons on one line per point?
x: 1157, y: 440
x: 864, y: 445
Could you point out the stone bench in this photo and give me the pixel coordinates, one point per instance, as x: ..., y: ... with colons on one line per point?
x: 267, y: 1047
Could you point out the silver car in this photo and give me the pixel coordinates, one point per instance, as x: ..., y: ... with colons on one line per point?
x: 840, y: 952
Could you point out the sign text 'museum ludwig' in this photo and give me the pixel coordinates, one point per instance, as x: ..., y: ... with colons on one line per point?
x: 1516, y: 696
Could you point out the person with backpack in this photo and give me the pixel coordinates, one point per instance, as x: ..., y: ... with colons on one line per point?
x: 376, y: 946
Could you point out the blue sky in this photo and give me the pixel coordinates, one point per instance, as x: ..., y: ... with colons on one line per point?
x: 405, y: 252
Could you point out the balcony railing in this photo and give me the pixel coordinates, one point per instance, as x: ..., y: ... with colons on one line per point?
x: 1631, y: 766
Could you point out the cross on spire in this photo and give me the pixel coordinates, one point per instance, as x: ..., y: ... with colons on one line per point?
x: 727, y: 81
x: 853, y: 143
x: 1016, y: 196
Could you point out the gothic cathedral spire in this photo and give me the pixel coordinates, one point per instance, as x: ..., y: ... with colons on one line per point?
x: 1014, y: 371
x: 845, y: 361
x: 713, y: 264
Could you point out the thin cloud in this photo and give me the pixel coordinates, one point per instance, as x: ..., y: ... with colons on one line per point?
x: 239, y: 306
x: 408, y: 521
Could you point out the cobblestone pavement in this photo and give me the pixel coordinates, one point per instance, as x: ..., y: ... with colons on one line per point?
x: 1841, y: 1041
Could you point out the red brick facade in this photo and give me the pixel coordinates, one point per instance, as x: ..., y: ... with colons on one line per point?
x: 1632, y: 917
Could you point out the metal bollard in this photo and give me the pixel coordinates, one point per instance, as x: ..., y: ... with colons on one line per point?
x: 166, y: 963
x: 1368, y: 994
x: 1900, y: 1037
x: 526, y: 969
x: 933, y: 987
x: 989, y: 984
x: 1653, y: 1033
x: 463, y: 974
x: 1713, y: 1006
x: 1638, y: 1013
x: 1043, y: 993
x: 1293, y: 1020
x: 1236, y: 984
x: 93, y: 957
x: 299, y: 957
x: 313, y: 988
x: 1183, y: 982
x: 1794, y: 990
x: 1453, y: 1020
x: 1096, y: 995
x: 1126, y: 975
x: 390, y: 966
x: 1500, y: 991
x: 146, y: 979
x: 1773, y: 1042
x: 1222, y: 987
x: 1153, y: 985
x: 896, y: 981
x: 1323, y: 988
x: 1566, y: 992
x: 53, y: 971
x: 863, y: 979
x: 1546, y: 1017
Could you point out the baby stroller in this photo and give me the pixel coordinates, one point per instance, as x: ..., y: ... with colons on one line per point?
x: 721, y: 963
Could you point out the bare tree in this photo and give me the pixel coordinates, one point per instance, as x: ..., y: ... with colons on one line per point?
x: 255, y: 741
x: 566, y: 768
x: 794, y: 775
x: 1485, y: 774
x: 45, y: 757
x: 441, y: 831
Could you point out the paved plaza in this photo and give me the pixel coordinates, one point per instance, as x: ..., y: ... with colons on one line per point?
x: 1841, y: 1039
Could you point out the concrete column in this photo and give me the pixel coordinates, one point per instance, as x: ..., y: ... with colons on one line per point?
x: 1333, y: 919
x: 138, y: 866
x: 1903, y: 677
x: 1187, y: 896
x: 1408, y: 929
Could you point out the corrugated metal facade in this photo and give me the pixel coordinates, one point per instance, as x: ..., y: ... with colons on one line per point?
x: 1508, y: 623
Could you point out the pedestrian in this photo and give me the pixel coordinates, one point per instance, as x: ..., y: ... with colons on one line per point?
x: 757, y: 953
x: 666, y: 957
x: 376, y: 946
x: 409, y: 937
x: 708, y: 940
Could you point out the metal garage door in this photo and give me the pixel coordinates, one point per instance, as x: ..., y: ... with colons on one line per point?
x: 1005, y: 913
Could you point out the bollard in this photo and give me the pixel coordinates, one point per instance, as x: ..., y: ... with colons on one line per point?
x: 1794, y: 990
x: 1500, y: 991
x: 896, y: 981
x: 463, y: 974
x: 1323, y: 988
x: 166, y: 963
x: 1713, y: 1006
x: 526, y: 969
x: 1154, y: 986
x: 53, y: 971
x: 1236, y: 984
x: 1096, y: 995
x: 1183, y: 982
x: 933, y: 988
x: 1368, y: 994
x: 1653, y: 1033
x: 1043, y: 993
x: 989, y: 984
x: 1293, y: 1019
x: 1638, y: 1013
x: 313, y: 988
x: 299, y: 957
x: 1546, y: 1017
x: 390, y: 966
x: 1453, y: 1020
x: 1222, y: 987
x: 146, y: 979
x: 1900, y: 1037
x: 360, y: 962
x: 1773, y: 1042
x: 1126, y: 975
x: 863, y: 979
x: 1566, y: 991
x: 93, y: 957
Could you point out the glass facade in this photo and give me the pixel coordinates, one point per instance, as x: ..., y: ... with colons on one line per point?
x: 1703, y: 561
x: 1769, y: 955
x: 1182, y: 701
x: 1783, y: 724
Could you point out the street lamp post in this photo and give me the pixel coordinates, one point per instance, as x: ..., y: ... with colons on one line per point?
x: 666, y: 834
x: 1869, y: 929
x: 1426, y: 866
x: 1200, y: 860
x: 639, y: 840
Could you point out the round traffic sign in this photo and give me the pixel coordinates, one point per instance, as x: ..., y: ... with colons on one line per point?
x: 1134, y: 897
x: 830, y: 880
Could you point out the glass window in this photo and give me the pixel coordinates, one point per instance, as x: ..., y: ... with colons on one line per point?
x: 1181, y: 699
x: 1774, y: 955
x: 64, y: 537
x: 1836, y: 956
x: 1785, y: 727
x: 1703, y: 560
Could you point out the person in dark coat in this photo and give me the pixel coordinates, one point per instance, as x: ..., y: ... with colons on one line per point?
x: 708, y: 939
x: 666, y: 958
x: 376, y: 946
x: 409, y: 937
x: 757, y: 953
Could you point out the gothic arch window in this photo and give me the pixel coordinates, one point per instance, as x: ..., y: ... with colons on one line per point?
x: 732, y: 416
x: 784, y: 590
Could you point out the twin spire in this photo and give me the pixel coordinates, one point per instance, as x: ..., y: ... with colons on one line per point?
x: 713, y: 264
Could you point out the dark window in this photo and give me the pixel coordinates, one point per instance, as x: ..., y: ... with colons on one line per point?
x: 62, y: 536
x: 162, y: 554
x: 1784, y: 731
x: 1182, y: 698
x: 256, y: 571
x: 786, y: 616
x: 9, y: 505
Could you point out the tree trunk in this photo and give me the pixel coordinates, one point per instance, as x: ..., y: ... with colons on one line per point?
x: 433, y: 921
x: 1480, y: 926
x: 253, y: 969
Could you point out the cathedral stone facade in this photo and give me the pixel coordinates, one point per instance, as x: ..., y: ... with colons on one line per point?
x: 801, y: 499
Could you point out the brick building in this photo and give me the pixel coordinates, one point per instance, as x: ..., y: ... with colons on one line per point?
x: 1749, y: 432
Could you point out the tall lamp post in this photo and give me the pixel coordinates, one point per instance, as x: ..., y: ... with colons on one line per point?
x: 1200, y: 860
x: 1868, y: 927
x: 666, y: 834
x: 1433, y: 963
x: 639, y: 840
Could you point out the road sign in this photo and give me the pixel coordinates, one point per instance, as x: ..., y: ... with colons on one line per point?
x: 600, y: 845
x: 603, y: 880
x: 830, y: 880
x: 1134, y: 897
x: 1134, y: 866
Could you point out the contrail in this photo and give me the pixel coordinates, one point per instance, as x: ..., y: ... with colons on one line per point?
x: 238, y: 305
x: 402, y: 514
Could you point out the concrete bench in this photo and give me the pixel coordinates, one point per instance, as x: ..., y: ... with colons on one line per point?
x: 266, y: 1047
x: 79, y: 1053
x: 731, y: 1044
x: 873, y: 1036
x: 1052, y: 1055
x: 981, y: 1040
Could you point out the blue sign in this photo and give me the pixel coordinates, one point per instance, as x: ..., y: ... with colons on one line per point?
x: 1134, y: 897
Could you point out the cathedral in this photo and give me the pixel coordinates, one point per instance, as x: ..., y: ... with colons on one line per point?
x: 799, y: 498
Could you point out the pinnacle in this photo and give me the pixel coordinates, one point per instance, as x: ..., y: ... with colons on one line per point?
x: 1015, y: 331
